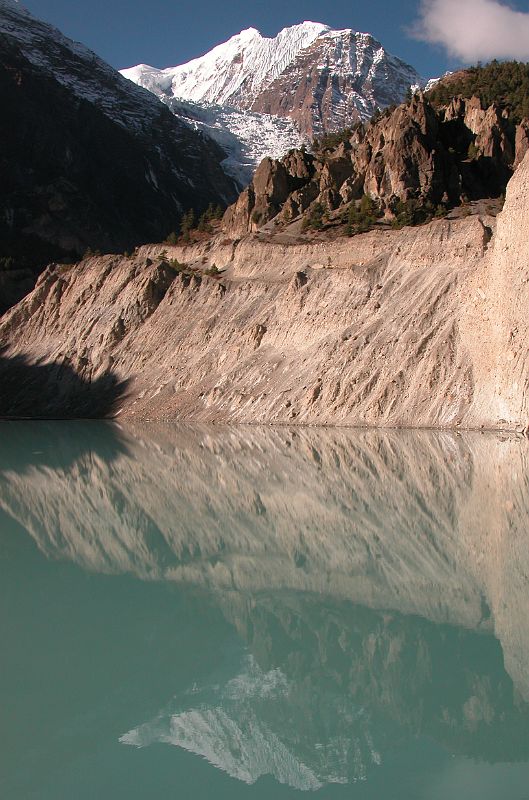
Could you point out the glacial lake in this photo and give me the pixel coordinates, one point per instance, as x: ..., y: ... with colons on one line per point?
x: 219, y: 613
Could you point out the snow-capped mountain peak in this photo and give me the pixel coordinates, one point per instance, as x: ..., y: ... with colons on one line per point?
x: 14, y: 4
x: 304, y: 68
x: 233, y: 70
x: 306, y: 80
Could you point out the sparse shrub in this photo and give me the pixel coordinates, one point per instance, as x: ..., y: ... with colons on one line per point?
x: 313, y: 220
x: 89, y: 253
x: 177, y: 265
x: 330, y: 141
x: 406, y: 213
x: 416, y: 212
x: 362, y: 216
x: 204, y: 223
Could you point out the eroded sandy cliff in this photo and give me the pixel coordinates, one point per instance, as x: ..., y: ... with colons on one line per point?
x: 420, y: 327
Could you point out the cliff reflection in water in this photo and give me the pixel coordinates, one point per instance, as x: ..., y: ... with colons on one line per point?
x: 378, y: 581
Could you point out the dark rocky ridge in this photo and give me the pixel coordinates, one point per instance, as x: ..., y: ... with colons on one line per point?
x: 457, y: 153
x: 88, y: 159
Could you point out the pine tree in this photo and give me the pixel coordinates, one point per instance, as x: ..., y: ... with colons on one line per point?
x: 187, y: 224
x: 505, y: 83
x: 203, y: 223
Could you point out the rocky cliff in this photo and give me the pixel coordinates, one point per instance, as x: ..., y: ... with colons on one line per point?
x: 422, y: 326
x: 436, y: 159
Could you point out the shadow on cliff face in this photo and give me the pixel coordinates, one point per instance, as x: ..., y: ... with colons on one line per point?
x: 55, y: 391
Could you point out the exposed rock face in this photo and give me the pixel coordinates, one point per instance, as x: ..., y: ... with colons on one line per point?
x: 503, y: 280
x: 273, y: 183
x: 460, y: 152
x: 401, y: 157
x: 88, y: 159
x: 488, y: 126
x: 422, y: 327
x: 522, y: 142
x: 340, y: 78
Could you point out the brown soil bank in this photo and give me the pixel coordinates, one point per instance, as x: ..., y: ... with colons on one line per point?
x: 420, y: 327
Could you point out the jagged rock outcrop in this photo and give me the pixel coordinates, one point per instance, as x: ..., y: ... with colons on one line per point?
x: 273, y: 184
x: 489, y: 127
x: 521, y: 142
x: 401, y: 157
x: 457, y: 153
x: 422, y: 326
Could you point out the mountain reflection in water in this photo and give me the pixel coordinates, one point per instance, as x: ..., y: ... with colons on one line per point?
x: 376, y: 582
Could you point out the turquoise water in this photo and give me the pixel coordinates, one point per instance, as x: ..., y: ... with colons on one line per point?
x: 221, y: 613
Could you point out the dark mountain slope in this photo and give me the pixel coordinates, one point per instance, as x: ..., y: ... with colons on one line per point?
x: 87, y: 158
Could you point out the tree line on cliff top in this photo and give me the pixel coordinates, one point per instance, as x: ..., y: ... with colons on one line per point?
x: 506, y: 83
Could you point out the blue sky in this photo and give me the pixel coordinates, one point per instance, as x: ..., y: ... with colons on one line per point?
x: 161, y: 33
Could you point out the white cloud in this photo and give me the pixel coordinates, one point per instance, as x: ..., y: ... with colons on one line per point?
x: 475, y: 30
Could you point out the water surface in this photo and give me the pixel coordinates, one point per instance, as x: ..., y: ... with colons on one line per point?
x: 248, y: 613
